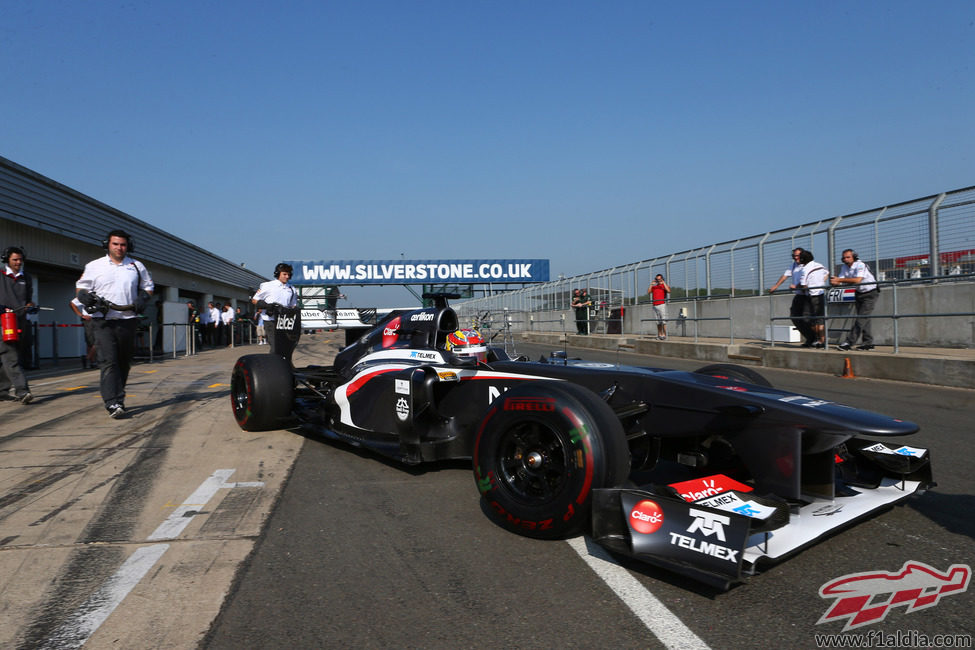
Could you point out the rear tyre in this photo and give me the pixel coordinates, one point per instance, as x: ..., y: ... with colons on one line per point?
x: 262, y: 391
x: 736, y: 373
x: 540, y: 451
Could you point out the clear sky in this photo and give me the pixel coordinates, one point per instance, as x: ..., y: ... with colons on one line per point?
x: 587, y: 133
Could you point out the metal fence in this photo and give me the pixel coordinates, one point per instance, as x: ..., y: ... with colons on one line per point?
x: 924, y: 238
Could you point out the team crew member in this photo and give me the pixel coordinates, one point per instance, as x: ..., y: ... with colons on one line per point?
x: 814, y: 280
x: 857, y: 273
x: 799, y: 309
x: 16, y: 294
x: 123, y: 281
x: 282, y: 320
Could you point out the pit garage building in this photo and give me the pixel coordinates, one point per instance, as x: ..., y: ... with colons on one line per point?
x: 61, y: 230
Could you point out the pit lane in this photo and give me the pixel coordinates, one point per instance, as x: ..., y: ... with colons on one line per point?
x: 352, y: 550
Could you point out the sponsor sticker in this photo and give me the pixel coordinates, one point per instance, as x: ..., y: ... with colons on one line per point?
x: 708, y: 486
x: 402, y: 387
x: 391, y: 332
x: 910, y: 451
x: 731, y: 502
x: 706, y: 524
x: 402, y: 409
x: 646, y: 517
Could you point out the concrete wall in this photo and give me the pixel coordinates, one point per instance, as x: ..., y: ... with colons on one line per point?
x: 750, y: 316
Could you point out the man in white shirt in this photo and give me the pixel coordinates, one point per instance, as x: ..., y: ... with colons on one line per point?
x: 227, y: 323
x: 814, y: 280
x: 124, y: 282
x: 857, y: 273
x: 282, y: 319
x: 798, y: 310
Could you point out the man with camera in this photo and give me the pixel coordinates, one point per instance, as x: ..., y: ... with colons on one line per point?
x: 115, y: 289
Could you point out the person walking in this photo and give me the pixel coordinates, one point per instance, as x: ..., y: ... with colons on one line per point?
x: 282, y: 319
x: 125, y: 282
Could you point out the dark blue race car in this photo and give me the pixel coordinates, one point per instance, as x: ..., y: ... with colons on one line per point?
x: 709, y: 473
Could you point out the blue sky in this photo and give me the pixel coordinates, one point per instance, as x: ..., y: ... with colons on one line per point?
x: 590, y: 134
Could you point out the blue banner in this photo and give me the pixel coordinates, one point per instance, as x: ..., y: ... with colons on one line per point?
x: 418, y: 272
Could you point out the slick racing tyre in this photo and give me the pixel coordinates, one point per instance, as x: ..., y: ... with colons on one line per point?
x: 261, y: 391
x: 540, y: 451
x: 736, y: 373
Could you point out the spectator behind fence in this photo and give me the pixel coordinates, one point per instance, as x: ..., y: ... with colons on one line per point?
x: 581, y: 312
x: 814, y: 281
x: 798, y: 310
x: 658, y: 292
x: 857, y: 273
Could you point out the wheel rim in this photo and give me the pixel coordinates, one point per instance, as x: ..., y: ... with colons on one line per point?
x: 532, y: 462
x: 238, y: 392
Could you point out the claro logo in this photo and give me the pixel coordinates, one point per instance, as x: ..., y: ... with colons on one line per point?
x: 529, y: 404
x: 646, y: 517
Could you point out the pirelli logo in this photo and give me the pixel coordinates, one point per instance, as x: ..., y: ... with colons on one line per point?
x: 529, y: 404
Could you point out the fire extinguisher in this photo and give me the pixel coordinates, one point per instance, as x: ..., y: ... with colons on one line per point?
x: 8, y: 323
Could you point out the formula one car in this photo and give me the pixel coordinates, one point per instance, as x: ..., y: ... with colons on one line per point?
x: 710, y: 473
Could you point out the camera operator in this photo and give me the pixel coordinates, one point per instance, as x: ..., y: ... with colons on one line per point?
x: 282, y: 318
x: 126, y: 283
x: 16, y: 293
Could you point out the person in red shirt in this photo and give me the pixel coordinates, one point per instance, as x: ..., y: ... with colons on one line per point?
x: 658, y: 296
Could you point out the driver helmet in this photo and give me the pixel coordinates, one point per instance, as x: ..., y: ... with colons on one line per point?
x: 467, y: 343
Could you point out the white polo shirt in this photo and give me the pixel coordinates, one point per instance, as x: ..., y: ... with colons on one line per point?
x: 862, y: 271
x: 117, y: 283
x: 275, y: 291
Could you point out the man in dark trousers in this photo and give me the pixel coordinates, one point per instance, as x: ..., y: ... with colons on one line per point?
x: 16, y: 294
x: 279, y: 300
x: 124, y: 282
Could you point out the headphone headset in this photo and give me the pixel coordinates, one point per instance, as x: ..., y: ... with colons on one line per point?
x: 119, y: 233
x: 856, y: 257
x: 282, y: 267
x: 10, y: 250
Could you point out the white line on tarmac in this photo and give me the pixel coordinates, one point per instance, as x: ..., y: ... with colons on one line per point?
x: 76, y: 631
x: 93, y: 612
x: 659, y: 620
x: 178, y: 520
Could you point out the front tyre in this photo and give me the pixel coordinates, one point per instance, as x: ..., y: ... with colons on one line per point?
x: 540, y: 451
x: 262, y: 391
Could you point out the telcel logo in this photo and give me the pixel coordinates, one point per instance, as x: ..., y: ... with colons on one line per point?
x: 646, y: 517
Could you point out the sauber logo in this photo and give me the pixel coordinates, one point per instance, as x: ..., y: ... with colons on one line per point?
x: 865, y: 598
x: 646, y: 517
x: 529, y: 404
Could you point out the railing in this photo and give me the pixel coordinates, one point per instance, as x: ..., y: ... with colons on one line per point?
x: 894, y: 316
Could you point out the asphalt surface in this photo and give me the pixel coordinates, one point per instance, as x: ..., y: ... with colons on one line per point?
x: 316, y: 544
x: 361, y: 552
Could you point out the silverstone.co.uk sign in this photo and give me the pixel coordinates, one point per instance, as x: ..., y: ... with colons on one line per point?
x: 419, y: 271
